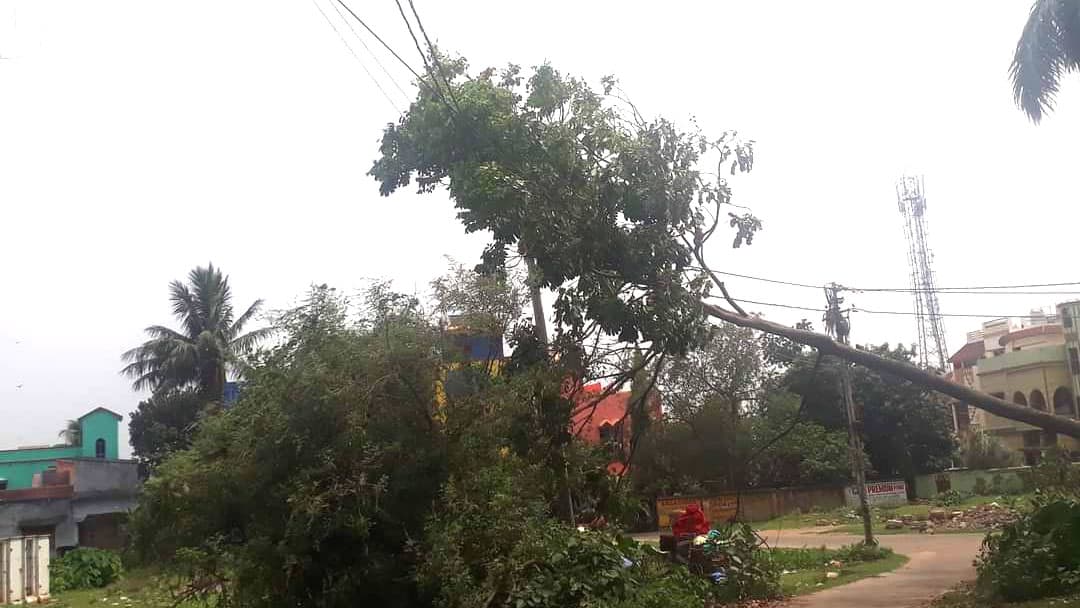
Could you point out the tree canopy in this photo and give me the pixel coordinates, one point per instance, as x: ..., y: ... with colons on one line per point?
x: 614, y: 209
x: 211, y: 340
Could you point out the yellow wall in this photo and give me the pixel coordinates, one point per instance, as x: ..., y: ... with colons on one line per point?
x: 1036, y: 369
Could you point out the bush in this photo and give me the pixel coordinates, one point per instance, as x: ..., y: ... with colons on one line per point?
x: 950, y: 498
x: 751, y: 573
x: 84, y: 568
x: 860, y: 552
x: 1037, y: 556
x: 981, y: 450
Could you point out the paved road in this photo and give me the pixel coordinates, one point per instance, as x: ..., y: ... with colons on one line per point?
x: 936, y: 563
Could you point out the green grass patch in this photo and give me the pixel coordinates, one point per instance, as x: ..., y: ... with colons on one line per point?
x: 138, y: 588
x: 807, y: 569
x: 964, y: 597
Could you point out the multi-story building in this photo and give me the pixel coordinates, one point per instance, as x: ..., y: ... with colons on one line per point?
x: 1028, y: 365
x: 77, y: 493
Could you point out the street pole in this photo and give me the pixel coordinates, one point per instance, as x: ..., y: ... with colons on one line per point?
x: 838, y: 324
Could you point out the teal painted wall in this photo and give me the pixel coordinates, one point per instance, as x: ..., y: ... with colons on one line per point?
x: 19, y: 466
x: 21, y: 474
x: 100, y: 425
x: 61, y: 451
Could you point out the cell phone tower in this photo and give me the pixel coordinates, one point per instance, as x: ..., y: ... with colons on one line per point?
x: 931, y: 342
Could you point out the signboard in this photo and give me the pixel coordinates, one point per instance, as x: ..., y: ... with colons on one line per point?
x: 880, y: 493
x: 718, y: 509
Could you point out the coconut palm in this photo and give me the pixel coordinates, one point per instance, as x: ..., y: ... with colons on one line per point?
x: 209, y: 344
x: 72, y: 433
x: 1049, y: 47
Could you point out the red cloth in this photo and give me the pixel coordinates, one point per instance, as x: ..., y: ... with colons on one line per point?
x: 692, y: 522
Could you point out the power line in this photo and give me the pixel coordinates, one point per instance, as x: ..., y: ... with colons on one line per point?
x: 355, y: 56
x: 975, y: 316
x: 377, y: 37
x: 368, y: 49
x: 887, y: 312
x: 972, y: 289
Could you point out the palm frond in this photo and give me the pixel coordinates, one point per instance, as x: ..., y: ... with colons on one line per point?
x: 238, y: 325
x: 244, y: 344
x: 185, y: 308
x: 1047, y: 49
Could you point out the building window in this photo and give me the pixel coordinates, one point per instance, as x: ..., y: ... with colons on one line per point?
x: 99, y: 448
x: 1063, y: 402
x: 1019, y: 398
x: 1066, y: 318
x: 963, y: 417
x: 1074, y: 361
x: 1037, y: 400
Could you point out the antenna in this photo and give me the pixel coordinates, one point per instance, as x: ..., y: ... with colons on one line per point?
x: 931, y: 329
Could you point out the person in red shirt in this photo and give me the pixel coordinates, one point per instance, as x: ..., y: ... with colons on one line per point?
x: 692, y: 522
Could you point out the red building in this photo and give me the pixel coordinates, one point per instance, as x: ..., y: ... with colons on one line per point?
x: 598, y: 419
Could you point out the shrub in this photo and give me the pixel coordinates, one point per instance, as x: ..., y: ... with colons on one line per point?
x: 981, y: 450
x: 84, y: 568
x: 1037, y: 556
x: 950, y: 498
x: 1054, y: 473
x: 860, y: 552
x: 751, y: 573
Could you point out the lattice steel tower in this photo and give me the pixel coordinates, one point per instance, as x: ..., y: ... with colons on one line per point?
x: 932, y: 349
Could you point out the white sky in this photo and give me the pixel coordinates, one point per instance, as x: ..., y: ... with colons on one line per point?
x: 139, y: 139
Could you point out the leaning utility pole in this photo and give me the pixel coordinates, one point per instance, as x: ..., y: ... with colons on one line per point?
x: 838, y: 325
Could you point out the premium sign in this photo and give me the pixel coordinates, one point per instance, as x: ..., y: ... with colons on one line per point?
x: 880, y: 493
x: 718, y: 509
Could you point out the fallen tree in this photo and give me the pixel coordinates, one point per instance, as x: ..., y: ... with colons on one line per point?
x: 828, y: 346
x: 613, y: 209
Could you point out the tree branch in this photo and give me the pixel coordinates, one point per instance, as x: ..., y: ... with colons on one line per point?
x: 828, y: 346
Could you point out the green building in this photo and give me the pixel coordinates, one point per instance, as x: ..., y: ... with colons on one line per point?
x: 78, y: 494
x: 99, y: 434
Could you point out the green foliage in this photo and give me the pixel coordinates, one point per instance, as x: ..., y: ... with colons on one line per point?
x: 1048, y: 49
x: 84, y: 568
x: 951, y: 498
x: 807, y: 559
x: 906, y: 430
x: 163, y: 424
x: 311, y: 486
x: 1037, y: 556
x: 210, y: 343
x: 751, y: 572
x: 613, y: 208
x: 72, y: 432
x: 1054, y: 473
x: 981, y: 450
x: 861, y: 552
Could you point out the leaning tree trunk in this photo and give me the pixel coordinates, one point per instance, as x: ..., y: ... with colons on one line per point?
x: 828, y: 346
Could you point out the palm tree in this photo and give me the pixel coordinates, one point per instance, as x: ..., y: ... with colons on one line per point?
x: 1049, y: 47
x: 209, y: 344
x: 72, y: 433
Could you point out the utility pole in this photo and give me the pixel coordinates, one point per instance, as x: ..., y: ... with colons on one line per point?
x: 839, y: 326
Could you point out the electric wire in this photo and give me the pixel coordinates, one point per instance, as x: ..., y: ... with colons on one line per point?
x: 355, y: 56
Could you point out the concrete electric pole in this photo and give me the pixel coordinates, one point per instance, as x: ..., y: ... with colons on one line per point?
x: 838, y: 325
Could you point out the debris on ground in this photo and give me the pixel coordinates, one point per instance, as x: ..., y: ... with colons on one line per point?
x: 990, y: 516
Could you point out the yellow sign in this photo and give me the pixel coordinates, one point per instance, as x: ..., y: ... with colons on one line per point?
x: 718, y: 509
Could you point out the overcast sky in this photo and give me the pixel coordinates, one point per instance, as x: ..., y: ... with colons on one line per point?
x: 139, y: 139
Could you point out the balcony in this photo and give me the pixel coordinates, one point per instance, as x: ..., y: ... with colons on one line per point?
x: 1042, y: 355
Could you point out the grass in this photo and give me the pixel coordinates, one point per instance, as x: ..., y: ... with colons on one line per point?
x: 137, y: 588
x: 964, y: 597
x: 806, y: 569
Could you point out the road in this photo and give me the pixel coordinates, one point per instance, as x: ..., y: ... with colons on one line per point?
x: 935, y: 564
